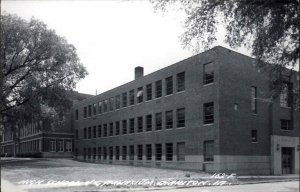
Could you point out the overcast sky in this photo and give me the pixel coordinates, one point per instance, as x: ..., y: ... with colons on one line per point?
x: 112, y: 37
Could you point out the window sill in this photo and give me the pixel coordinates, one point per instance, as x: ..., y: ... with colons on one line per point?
x: 209, y: 124
x: 180, y: 127
x: 179, y: 92
x: 208, y: 84
x: 285, y: 107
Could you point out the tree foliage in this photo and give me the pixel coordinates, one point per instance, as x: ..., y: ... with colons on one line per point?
x: 37, y: 66
x: 270, y: 28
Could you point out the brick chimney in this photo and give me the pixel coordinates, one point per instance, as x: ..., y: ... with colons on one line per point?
x: 138, y: 72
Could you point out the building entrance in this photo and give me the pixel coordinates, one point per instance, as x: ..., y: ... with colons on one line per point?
x: 287, y: 160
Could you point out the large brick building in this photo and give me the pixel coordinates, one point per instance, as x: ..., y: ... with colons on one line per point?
x: 209, y: 112
x: 40, y: 137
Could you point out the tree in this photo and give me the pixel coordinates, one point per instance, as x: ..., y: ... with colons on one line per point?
x: 269, y: 28
x: 37, y: 67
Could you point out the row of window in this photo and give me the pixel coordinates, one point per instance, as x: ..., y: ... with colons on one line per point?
x: 149, y: 151
x: 133, y: 125
x: 129, y: 99
x: 173, y: 151
x: 132, y: 97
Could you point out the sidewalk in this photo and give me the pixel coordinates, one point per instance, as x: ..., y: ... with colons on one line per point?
x: 267, y: 178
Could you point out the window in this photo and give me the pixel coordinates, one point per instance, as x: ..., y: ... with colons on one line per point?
x: 124, y: 99
x: 148, y: 152
x: 105, y: 130
x: 208, y: 73
x: 208, y: 113
x: 118, y: 101
x: 254, y: 136
x: 84, y: 133
x: 111, y: 153
x: 140, y: 124
x: 90, y: 111
x: 76, y: 134
x: 139, y: 94
x: 95, y: 109
x: 285, y: 95
x: 285, y: 124
x: 99, y: 153
x: 117, y: 127
x: 100, y: 107
x: 140, y: 152
x: 180, y: 151
x: 158, y: 121
x: 131, y: 125
x: 124, y: 152
x: 131, y: 97
x: 94, y: 153
x: 89, y: 153
x: 52, y: 146
x: 105, y: 103
x: 85, y: 112
x: 149, y: 92
x: 253, y: 99
x: 111, y: 104
x: 111, y: 129
x: 89, y: 132
x: 131, y: 152
x: 158, y: 89
x: 99, y: 131
x: 181, y: 117
x: 76, y: 114
x: 94, y: 132
x: 180, y: 82
x: 124, y: 127
x: 117, y: 152
x: 169, y: 119
x: 158, y: 152
x: 104, y: 153
x: 84, y: 153
x: 209, y: 150
x: 169, y: 85
x: 169, y: 151
x: 149, y: 122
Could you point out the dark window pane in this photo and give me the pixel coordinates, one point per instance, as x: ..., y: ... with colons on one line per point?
x: 158, y: 121
x: 180, y: 82
x: 131, y: 97
x: 208, y: 113
x: 131, y: 125
x: 181, y: 117
x: 208, y: 73
x: 169, y: 151
x: 208, y: 150
x: 149, y: 123
x: 139, y: 94
x: 140, y: 124
x: 169, y: 119
x: 149, y: 91
x: 158, y: 89
x: 124, y: 99
x: 169, y: 85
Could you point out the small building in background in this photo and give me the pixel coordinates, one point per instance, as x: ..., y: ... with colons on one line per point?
x: 41, y: 137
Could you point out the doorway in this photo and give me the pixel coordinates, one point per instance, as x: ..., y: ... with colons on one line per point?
x: 287, y: 160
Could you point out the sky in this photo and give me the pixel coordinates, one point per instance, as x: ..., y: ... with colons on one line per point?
x: 112, y: 37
